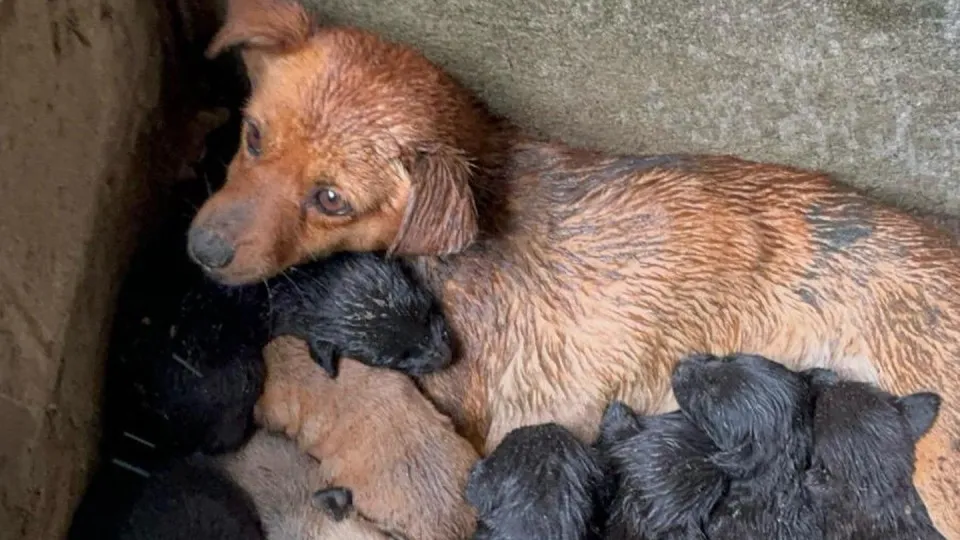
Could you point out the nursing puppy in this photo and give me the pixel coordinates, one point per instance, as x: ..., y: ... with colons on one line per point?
x: 666, y: 484
x: 540, y: 482
x: 604, y: 265
x: 861, y: 472
x: 364, y: 307
x: 375, y: 435
x: 758, y: 414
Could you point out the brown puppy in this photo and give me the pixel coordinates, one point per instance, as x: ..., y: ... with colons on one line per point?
x: 573, y: 277
x: 281, y: 479
x: 375, y: 434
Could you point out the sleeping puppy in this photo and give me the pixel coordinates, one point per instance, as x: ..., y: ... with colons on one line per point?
x: 861, y: 473
x: 758, y: 415
x: 540, y: 482
x: 364, y: 307
x: 280, y: 479
x: 260, y: 492
x: 374, y: 434
x: 189, y: 499
x: 665, y: 482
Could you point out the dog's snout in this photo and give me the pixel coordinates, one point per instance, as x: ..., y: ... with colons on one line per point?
x: 209, y: 249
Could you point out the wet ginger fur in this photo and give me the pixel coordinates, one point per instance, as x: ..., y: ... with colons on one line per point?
x: 375, y: 434
x: 572, y: 277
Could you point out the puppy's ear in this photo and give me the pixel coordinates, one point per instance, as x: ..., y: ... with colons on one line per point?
x: 920, y: 410
x: 273, y: 25
x: 820, y: 377
x: 619, y: 421
x: 737, y: 462
x: 441, y: 216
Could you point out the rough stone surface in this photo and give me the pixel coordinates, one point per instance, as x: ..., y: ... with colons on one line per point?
x: 863, y: 88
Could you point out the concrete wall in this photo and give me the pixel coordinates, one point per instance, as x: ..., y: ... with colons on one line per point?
x: 865, y: 88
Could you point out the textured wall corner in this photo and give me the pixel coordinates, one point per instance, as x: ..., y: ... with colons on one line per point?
x: 863, y: 88
x: 81, y: 80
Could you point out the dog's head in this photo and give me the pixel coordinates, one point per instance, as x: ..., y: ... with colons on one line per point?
x: 755, y: 410
x: 540, y: 482
x: 864, y: 441
x: 350, y: 143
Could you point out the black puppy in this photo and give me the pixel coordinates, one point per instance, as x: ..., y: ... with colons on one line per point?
x: 861, y: 472
x: 539, y: 482
x: 188, y: 499
x: 365, y: 307
x: 759, y: 415
x: 666, y: 485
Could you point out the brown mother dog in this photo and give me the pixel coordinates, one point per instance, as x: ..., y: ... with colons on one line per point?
x: 572, y: 277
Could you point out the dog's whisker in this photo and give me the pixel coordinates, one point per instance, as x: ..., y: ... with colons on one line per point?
x: 180, y: 360
x: 140, y: 440
x: 132, y: 468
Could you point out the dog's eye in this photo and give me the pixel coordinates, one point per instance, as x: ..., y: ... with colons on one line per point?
x: 330, y: 202
x: 252, y: 138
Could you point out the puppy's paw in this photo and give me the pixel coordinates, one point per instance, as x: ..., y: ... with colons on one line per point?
x: 336, y: 501
x: 325, y: 354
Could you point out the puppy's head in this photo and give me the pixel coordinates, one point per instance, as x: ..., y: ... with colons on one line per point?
x: 540, y: 482
x: 755, y: 410
x: 864, y: 441
x: 350, y: 143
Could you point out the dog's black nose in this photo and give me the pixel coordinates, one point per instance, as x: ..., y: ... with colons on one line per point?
x: 209, y: 249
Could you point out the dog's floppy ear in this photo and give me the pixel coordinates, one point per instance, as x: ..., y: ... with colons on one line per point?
x: 272, y: 25
x: 441, y: 216
x: 920, y: 410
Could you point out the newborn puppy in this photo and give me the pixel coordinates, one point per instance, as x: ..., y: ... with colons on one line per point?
x: 861, y: 473
x: 186, y: 500
x: 261, y: 491
x: 187, y: 379
x: 364, y: 307
x: 758, y: 414
x: 666, y: 484
x: 280, y: 479
x: 375, y: 434
x: 539, y: 482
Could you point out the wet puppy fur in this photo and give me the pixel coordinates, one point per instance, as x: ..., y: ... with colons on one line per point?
x: 758, y: 414
x: 261, y: 491
x: 377, y: 436
x: 861, y: 472
x: 364, y: 307
x: 664, y: 482
x: 539, y: 482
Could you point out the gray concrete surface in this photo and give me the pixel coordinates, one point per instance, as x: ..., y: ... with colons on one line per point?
x: 867, y: 89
